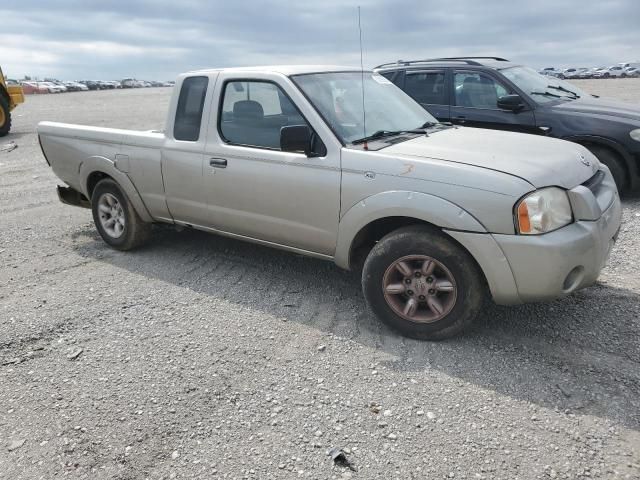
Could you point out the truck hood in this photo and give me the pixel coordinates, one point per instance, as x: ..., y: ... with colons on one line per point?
x: 601, y: 106
x: 541, y: 161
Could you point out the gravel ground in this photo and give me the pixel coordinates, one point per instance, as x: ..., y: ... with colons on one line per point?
x: 202, y: 357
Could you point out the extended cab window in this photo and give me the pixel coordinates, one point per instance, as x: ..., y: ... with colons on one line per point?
x: 189, y: 111
x: 477, y: 90
x: 253, y: 112
x: 426, y: 87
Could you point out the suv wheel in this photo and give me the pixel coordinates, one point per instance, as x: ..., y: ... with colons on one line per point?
x: 422, y: 284
x: 611, y: 160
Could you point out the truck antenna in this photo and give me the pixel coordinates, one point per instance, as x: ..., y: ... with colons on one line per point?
x: 364, y: 113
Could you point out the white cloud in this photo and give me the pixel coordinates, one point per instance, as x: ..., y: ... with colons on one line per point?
x: 160, y: 38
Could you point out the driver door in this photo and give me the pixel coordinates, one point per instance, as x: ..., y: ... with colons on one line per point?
x: 253, y: 188
x: 475, y: 104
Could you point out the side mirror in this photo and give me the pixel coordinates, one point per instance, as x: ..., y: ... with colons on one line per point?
x: 511, y: 102
x: 296, y: 138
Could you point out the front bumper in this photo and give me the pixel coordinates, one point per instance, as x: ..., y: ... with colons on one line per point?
x: 529, y: 268
x: 558, y: 263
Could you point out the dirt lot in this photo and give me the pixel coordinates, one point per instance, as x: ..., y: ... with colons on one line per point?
x: 201, y: 357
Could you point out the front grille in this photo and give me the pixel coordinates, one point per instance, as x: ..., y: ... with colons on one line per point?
x: 594, y: 182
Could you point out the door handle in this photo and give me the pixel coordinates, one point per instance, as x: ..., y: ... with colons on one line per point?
x: 460, y: 118
x: 218, y: 162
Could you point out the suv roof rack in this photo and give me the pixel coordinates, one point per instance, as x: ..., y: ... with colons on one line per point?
x: 467, y: 60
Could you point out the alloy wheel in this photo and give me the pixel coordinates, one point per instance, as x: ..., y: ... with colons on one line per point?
x: 419, y: 288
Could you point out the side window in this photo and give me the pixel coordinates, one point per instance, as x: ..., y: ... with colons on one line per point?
x: 189, y: 111
x: 394, y: 76
x: 477, y: 90
x: 253, y: 112
x: 426, y: 87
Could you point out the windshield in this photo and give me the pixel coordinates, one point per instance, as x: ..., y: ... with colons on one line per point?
x: 542, y: 88
x: 338, y: 98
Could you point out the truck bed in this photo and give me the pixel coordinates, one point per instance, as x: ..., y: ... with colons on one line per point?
x: 67, y: 146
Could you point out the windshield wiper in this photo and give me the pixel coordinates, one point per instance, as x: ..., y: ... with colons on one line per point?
x: 385, y: 133
x: 547, y: 94
x: 562, y: 89
x: 377, y: 134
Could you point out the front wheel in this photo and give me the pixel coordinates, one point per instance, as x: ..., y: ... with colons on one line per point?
x: 5, y: 117
x: 118, y: 223
x: 614, y: 162
x: 422, y: 284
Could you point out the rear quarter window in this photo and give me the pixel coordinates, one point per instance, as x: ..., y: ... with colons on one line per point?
x: 189, y: 110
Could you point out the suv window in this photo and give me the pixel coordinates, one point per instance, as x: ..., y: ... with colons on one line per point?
x: 477, y: 90
x: 426, y: 87
x: 189, y: 111
x: 253, y: 112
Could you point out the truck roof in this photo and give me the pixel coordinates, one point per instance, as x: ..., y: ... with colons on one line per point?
x: 283, y: 69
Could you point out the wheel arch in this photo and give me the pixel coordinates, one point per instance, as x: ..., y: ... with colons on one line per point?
x: 370, y: 219
x: 95, y: 168
x: 627, y: 160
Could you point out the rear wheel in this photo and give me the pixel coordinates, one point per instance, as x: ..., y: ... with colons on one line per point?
x: 115, y: 218
x: 5, y: 117
x: 614, y: 162
x: 422, y: 284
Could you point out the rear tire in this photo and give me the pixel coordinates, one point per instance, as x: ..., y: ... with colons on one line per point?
x: 117, y: 222
x: 422, y: 284
x: 613, y: 161
x: 5, y: 117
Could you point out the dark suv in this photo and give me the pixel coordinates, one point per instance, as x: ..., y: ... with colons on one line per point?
x: 492, y: 92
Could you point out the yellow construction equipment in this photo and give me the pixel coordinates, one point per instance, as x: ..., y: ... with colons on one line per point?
x: 11, y: 95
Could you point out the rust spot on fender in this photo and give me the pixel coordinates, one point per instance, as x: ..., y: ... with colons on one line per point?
x: 409, y: 168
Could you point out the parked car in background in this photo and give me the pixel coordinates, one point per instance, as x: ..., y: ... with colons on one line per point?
x: 29, y: 88
x: 53, y: 87
x: 633, y: 72
x: 75, y: 86
x: 496, y: 93
x: 602, y: 72
x: 128, y: 83
x: 439, y: 217
x: 569, y: 73
x: 626, y: 65
x: 588, y: 73
x: 550, y: 72
x: 613, y: 71
x: 91, y: 84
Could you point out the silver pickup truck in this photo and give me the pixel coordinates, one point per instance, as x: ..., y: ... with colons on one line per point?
x: 437, y: 217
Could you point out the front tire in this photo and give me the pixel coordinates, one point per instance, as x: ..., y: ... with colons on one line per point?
x: 117, y: 222
x: 5, y: 117
x: 613, y: 161
x: 422, y: 284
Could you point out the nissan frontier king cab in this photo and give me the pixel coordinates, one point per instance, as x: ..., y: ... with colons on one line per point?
x: 436, y: 216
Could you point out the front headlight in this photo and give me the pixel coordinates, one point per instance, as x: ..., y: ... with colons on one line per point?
x: 635, y: 134
x: 543, y: 211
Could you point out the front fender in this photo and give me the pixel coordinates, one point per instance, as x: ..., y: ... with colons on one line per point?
x: 421, y: 206
x: 106, y: 166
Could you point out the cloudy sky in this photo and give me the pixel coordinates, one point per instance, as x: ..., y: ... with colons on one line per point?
x: 156, y: 39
